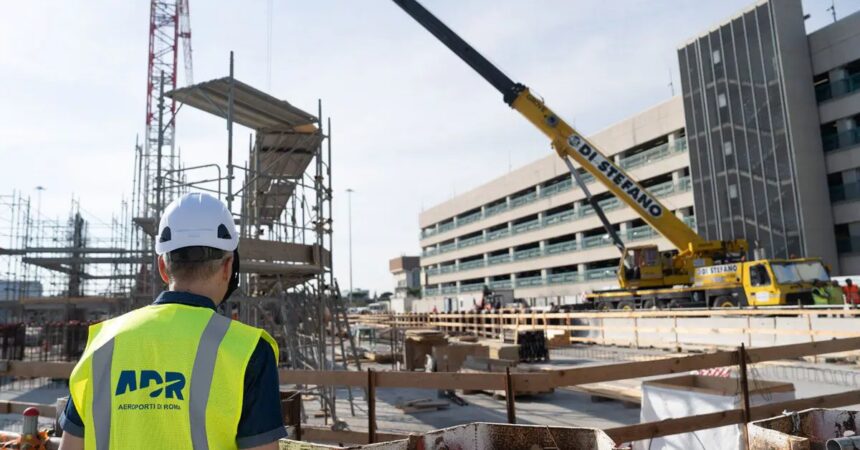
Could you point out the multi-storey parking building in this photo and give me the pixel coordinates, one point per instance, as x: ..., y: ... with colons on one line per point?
x: 772, y: 115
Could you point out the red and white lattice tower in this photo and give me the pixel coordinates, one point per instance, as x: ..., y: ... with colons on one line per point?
x: 169, y: 23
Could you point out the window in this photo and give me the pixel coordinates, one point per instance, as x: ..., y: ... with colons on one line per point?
x: 715, y: 57
x: 733, y: 191
x: 721, y: 99
x: 727, y: 148
x: 759, y: 276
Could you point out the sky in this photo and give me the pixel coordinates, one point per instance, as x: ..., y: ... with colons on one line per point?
x: 412, y: 126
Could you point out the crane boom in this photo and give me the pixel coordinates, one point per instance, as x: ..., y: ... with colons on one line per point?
x: 566, y: 141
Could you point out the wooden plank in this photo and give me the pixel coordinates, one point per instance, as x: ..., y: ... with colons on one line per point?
x: 441, y: 380
x: 615, y: 390
x: 323, y: 377
x: 804, y: 349
x: 322, y: 434
x: 687, y: 424
x: 669, y: 427
x: 638, y: 369
x: 12, y: 407
x: 34, y: 369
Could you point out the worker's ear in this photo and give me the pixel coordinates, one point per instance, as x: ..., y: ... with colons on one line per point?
x: 162, y: 270
x: 227, y: 268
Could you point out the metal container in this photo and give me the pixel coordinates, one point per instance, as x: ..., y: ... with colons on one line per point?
x: 809, y: 429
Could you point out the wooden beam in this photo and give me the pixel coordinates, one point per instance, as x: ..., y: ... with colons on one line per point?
x: 687, y: 424
x: 638, y: 369
x: 805, y: 349
x: 667, y: 427
x: 323, y: 377
x: 34, y: 369
x: 322, y: 434
x: 12, y: 407
x: 441, y: 380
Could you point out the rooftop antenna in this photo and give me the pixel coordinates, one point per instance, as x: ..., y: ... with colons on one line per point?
x: 671, y: 81
x: 269, y: 7
x: 832, y: 9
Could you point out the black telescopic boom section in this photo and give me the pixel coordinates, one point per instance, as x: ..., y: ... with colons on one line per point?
x: 466, y: 52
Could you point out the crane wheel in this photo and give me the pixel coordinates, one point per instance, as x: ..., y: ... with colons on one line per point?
x: 626, y: 305
x: 651, y: 304
x: 604, y: 306
x: 725, y: 302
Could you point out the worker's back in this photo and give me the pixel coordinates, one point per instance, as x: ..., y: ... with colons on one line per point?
x: 145, y: 379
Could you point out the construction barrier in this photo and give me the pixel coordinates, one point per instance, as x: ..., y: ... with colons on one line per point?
x: 701, y: 329
x: 511, y: 382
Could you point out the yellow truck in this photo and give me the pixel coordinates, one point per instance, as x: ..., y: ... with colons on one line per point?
x: 764, y: 282
x: 700, y: 272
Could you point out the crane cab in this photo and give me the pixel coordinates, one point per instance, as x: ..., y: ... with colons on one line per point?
x: 646, y: 267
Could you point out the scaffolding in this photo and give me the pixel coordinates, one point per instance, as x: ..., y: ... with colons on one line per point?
x: 281, y: 197
x: 72, y: 271
x: 75, y: 268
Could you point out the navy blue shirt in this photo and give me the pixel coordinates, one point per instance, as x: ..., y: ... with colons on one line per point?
x: 260, y: 422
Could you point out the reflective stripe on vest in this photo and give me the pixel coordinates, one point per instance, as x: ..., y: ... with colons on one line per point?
x: 148, y: 378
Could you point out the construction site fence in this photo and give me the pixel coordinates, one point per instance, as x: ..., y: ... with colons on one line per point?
x: 510, y: 383
x: 64, y: 341
x: 689, y: 329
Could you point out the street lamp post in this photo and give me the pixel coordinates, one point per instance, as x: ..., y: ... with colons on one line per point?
x: 349, y: 226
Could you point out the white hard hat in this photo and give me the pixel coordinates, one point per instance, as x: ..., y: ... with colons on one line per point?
x: 193, y: 220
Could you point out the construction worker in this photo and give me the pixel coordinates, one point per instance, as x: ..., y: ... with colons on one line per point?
x: 176, y: 374
x: 820, y: 293
x: 836, y: 296
x: 852, y: 296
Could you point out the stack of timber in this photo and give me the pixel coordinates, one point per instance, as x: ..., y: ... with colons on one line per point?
x: 450, y: 358
x: 380, y: 357
x: 422, y: 405
x: 501, y: 350
x: 558, y: 338
x: 418, y: 344
x: 478, y: 365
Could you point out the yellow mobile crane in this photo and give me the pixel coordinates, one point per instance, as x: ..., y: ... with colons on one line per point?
x: 701, y: 273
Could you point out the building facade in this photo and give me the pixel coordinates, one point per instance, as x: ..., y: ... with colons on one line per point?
x: 406, y: 271
x: 752, y: 128
x: 532, y: 231
x: 835, y: 54
x: 765, y: 135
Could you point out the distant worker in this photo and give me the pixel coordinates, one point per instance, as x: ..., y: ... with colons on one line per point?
x: 176, y: 374
x: 852, y: 296
x: 821, y: 293
x: 836, y: 296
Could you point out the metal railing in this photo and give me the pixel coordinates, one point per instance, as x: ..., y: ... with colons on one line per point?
x: 470, y: 241
x: 471, y: 264
x: 530, y: 281
x: 659, y: 190
x: 632, y: 234
x: 838, y: 88
x: 492, y: 235
x: 526, y: 254
x: 498, y: 259
x: 471, y: 287
x: 468, y: 219
x: 654, y: 154
x: 850, y: 244
x: 526, y: 226
x: 523, y: 199
x: 500, y: 284
x: 836, y: 141
x: 846, y: 191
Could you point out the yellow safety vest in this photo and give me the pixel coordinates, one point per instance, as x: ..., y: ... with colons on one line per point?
x: 166, y: 376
